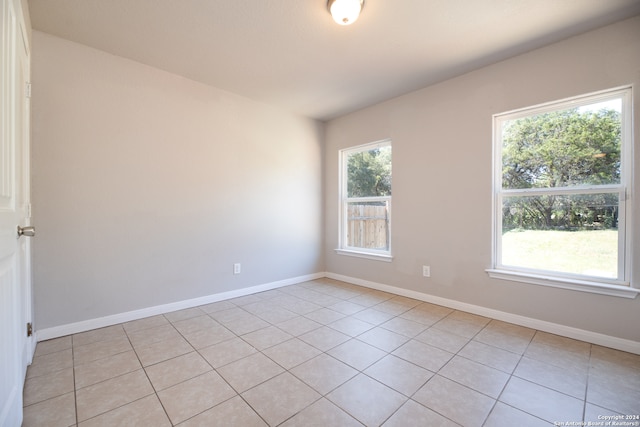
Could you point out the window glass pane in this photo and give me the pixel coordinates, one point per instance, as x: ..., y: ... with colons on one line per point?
x: 576, y: 234
x: 369, y: 173
x: 563, y: 148
x: 368, y: 225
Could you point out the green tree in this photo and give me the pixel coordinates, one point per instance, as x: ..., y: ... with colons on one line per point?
x: 561, y: 149
x: 369, y: 173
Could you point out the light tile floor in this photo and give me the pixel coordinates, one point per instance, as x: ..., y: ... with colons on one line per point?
x: 325, y: 353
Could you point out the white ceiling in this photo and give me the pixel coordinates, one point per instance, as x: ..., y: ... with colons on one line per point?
x: 291, y: 54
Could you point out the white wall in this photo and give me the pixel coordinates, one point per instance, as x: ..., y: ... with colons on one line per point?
x: 442, y: 154
x: 147, y: 187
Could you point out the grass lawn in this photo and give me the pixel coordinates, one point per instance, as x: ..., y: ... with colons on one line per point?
x: 593, y: 253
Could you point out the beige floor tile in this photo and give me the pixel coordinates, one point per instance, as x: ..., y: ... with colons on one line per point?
x: 144, y: 337
x: 595, y: 413
x: 111, y: 394
x: 510, y: 329
x: 564, y: 343
x: 53, y: 346
x: 187, y: 313
x: 367, y: 400
x: 557, y: 356
x: 324, y: 373
x: 247, y: 300
x: 56, y: 412
x: 230, y: 314
x: 51, y: 362
x: 414, y: 414
x: 299, y: 306
x: 233, y: 412
x: 226, y: 352
x: 458, y: 327
x: 267, y: 337
x: 163, y: 350
x: 276, y: 314
x: 615, y: 394
x: 145, y: 323
x: 476, y: 376
x: 195, y: 396
x: 260, y: 306
x: 173, y: 371
x: 103, y: 334
x: 405, y: 327
x: 392, y: 307
x: 357, y: 354
x: 548, y: 375
x: 107, y: 368
x: 609, y: 362
x: 346, y: 307
x: 541, y: 402
x: 322, y: 413
x: 369, y: 299
x: 442, y: 339
x: 406, y: 301
x: 506, y: 416
x: 383, y: 339
x: 373, y: 316
x: 324, y: 316
x: 454, y: 401
x: 324, y: 338
x: 144, y: 412
x: 350, y: 326
x: 321, y: 299
x: 100, y: 350
x: 474, y: 319
x: 423, y: 355
x: 488, y: 355
x: 298, y: 326
x: 291, y: 353
x: 504, y: 340
x: 250, y: 371
x: 567, y: 381
x: 217, y: 306
x: 399, y: 374
x: 280, y: 397
x: 210, y: 336
x: 423, y: 316
x: 246, y: 324
x: 44, y: 387
x: 194, y: 324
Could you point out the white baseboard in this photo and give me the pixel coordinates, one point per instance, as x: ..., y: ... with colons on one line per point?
x: 554, y: 328
x: 101, y: 322
x: 541, y: 325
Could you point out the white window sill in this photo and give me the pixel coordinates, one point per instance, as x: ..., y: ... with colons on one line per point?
x: 575, y: 285
x: 366, y: 255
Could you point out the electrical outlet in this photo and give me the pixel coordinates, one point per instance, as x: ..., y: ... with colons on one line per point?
x: 426, y: 271
x: 237, y: 268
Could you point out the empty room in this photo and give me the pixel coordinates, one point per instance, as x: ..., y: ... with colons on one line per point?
x: 320, y: 213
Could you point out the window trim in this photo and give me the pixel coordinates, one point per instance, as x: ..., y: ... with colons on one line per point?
x: 621, y: 286
x: 343, y: 200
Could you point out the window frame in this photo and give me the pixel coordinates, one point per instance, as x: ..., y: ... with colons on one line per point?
x: 620, y: 286
x: 344, y: 200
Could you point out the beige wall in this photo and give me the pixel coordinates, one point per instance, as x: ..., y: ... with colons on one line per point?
x: 442, y: 155
x: 147, y: 187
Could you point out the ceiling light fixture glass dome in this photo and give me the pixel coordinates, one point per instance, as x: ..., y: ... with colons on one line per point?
x: 345, y: 12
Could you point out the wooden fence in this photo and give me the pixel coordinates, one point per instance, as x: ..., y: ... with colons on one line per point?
x: 368, y: 226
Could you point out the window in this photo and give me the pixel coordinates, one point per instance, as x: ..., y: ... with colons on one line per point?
x: 562, y: 176
x: 365, y: 201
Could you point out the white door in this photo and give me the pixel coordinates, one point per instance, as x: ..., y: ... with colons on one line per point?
x: 16, y: 349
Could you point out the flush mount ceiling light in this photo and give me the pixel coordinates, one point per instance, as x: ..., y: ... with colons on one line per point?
x: 345, y: 12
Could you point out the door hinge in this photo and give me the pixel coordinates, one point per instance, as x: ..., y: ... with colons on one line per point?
x: 27, y: 90
x: 29, y: 329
